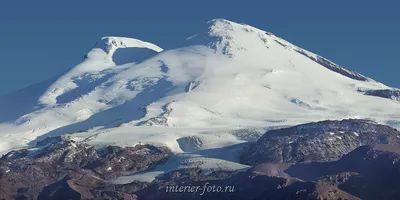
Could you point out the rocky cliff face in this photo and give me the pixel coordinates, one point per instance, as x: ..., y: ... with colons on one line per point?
x: 319, y: 141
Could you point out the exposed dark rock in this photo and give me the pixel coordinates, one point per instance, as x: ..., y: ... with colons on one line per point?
x: 333, y: 67
x: 49, y: 140
x: 59, y: 190
x: 63, y: 169
x: 369, y: 172
x: 117, y: 161
x: 246, y: 185
x: 280, y: 43
x: 393, y: 94
x: 13, y: 155
x: 319, y: 141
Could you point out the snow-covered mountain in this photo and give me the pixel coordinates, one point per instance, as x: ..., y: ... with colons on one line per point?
x: 228, y: 85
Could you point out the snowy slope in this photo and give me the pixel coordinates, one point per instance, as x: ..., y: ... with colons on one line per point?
x: 229, y: 84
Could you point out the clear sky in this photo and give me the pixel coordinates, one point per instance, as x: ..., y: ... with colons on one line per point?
x: 41, y: 39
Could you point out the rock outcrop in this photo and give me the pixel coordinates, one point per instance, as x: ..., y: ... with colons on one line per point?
x: 59, y: 167
x: 318, y: 141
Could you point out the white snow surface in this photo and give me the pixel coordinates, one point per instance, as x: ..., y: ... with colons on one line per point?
x: 229, y: 77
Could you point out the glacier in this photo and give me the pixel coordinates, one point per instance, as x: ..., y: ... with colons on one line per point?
x: 229, y: 78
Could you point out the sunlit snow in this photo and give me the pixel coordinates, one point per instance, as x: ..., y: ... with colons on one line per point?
x: 229, y: 78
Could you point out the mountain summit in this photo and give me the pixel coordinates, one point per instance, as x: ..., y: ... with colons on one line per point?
x: 229, y: 81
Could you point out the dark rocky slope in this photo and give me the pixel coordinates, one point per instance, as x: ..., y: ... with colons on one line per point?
x: 60, y: 167
x: 251, y: 184
x: 393, y: 94
x: 369, y: 172
x: 318, y: 141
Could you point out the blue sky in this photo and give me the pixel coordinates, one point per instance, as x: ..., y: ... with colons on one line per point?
x: 41, y: 39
